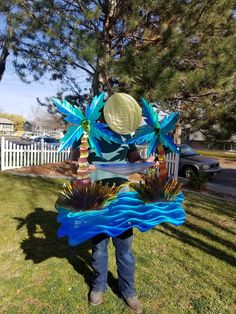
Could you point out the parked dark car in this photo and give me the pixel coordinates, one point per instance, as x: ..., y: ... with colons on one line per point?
x: 190, y: 163
x: 46, y: 139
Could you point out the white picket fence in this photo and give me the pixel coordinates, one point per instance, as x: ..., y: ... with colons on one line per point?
x: 16, y: 156
x: 172, y: 161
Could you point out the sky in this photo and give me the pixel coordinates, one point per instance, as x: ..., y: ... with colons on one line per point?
x: 18, y: 97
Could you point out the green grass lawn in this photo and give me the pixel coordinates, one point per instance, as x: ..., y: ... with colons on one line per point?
x: 188, y: 269
x: 218, y: 154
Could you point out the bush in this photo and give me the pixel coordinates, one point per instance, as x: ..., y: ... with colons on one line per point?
x: 197, y: 181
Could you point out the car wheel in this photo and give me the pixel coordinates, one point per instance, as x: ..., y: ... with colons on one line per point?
x: 189, y: 172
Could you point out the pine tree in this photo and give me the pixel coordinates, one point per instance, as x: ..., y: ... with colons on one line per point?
x: 18, y: 24
x: 81, y: 35
x: 179, y: 53
x: 191, y: 65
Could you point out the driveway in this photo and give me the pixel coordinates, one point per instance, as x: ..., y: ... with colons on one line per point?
x: 227, y: 177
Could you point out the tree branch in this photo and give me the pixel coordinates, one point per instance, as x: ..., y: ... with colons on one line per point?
x: 52, y: 54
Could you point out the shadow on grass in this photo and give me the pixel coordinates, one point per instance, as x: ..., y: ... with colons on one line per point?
x: 214, y: 223
x: 211, y: 236
x: 34, y: 181
x: 185, y: 237
x: 217, y: 207
x: 43, y: 243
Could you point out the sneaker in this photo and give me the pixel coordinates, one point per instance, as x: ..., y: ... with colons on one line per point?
x: 95, y: 298
x: 134, y: 304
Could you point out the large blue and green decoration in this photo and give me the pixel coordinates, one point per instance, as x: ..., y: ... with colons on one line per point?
x: 155, y: 132
x: 122, y: 213
x: 86, y: 209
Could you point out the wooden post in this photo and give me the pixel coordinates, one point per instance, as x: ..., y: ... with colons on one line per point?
x: 42, y: 151
x: 176, y: 169
x: 2, y: 152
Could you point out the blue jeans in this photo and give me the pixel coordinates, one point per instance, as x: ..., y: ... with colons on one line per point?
x: 124, y: 261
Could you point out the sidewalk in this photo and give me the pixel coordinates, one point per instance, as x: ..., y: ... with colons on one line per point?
x: 219, y: 190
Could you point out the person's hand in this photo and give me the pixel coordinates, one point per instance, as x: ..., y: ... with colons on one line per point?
x: 91, y: 168
x: 75, y: 168
x: 152, y: 159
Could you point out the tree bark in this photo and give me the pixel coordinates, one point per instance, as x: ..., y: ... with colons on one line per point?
x: 177, y: 134
x: 107, y: 34
x: 3, y: 59
x: 98, y: 81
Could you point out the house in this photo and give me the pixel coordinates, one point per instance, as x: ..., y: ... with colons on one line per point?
x: 28, y: 126
x: 6, y: 127
x: 199, y: 141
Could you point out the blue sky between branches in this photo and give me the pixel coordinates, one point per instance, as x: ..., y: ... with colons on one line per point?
x: 18, y: 97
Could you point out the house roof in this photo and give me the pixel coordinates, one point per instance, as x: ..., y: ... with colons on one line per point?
x: 27, y: 122
x: 5, y: 121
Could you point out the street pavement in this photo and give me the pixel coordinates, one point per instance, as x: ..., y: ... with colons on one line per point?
x: 222, y: 190
x: 227, y: 177
x: 17, y: 140
x: 222, y: 184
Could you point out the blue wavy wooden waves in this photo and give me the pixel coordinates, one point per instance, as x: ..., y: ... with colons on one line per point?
x: 124, y: 212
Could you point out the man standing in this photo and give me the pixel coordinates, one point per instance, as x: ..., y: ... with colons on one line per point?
x: 123, y: 115
x: 124, y: 258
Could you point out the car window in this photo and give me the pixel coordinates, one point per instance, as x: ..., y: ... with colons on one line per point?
x: 187, y: 151
x: 50, y: 140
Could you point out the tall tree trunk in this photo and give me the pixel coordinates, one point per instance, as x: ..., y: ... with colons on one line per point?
x: 95, y: 83
x: 3, y: 59
x: 177, y: 134
x: 98, y: 81
x: 178, y: 126
x: 108, y: 27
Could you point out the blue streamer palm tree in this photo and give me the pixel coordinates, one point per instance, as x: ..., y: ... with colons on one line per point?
x: 85, y: 124
x: 155, y: 132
